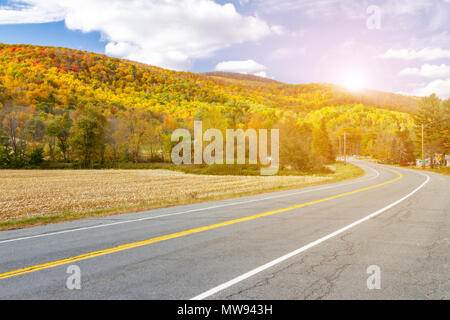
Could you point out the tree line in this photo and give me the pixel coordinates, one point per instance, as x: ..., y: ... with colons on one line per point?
x: 85, y: 137
x: 92, y: 136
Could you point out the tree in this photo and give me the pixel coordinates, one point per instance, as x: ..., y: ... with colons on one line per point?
x: 5, y: 150
x: 402, y: 148
x: 60, y: 129
x: 444, y: 130
x: 36, y: 157
x: 321, y: 145
x: 116, y: 146
x: 295, y: 145
x: 431, y: 115
x: 14, y: 123
x: 35, y: 129
x: 88, y: 133
x: 51, y: 142
x: 137, y: 129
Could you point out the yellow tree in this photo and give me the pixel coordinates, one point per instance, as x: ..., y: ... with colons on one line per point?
x: 14, y: 123
x: 136, y: 129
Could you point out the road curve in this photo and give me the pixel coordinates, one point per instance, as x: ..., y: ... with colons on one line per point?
x: 311, y: 243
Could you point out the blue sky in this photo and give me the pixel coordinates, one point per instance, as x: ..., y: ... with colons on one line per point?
x: 396, y: 45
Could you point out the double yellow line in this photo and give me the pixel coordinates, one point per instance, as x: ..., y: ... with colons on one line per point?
x: 90, y: 255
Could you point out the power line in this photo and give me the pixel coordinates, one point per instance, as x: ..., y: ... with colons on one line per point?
x: 434, y: 122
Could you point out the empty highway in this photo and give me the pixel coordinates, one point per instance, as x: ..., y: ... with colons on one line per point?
x: 310, y: 243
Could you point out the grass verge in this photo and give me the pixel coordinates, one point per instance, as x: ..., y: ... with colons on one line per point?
x: 444, y: 170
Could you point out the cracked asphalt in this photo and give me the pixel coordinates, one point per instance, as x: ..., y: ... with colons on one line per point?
x: 409, y: 242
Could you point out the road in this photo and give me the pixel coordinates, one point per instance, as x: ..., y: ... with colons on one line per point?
x: 311, y: 243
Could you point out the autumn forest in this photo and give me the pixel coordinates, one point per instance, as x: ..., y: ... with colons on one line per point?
x: 67, y: 108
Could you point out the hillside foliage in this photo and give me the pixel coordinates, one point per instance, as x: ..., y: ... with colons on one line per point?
x: 64, y: 105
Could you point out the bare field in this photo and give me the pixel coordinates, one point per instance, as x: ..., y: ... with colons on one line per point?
x: 39, y: 193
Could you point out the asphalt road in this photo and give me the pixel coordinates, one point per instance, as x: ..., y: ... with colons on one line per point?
x: 311, y: 243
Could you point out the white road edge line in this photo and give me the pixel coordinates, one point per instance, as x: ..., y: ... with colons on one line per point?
x: 184, y: 212
x: 304, y: 248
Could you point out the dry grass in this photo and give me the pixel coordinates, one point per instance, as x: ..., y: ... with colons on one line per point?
x: 40, y: 193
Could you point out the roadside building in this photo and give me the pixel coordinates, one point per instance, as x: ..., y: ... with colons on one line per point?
x: 439, y: 160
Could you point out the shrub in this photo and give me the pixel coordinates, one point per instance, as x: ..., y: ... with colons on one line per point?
x: 36, y: 157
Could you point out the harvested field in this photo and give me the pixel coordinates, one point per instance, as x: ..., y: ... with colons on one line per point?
x: 39, y: 193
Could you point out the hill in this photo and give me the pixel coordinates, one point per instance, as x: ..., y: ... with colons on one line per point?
x: 328, y: 93
x: 42, y: 89
x: 64, y: 77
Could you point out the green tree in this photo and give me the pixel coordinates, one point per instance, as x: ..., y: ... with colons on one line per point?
x: 5, y: 150
x: 433, y: 115
x: 295, y: 145
x: 60, y: 129
x: 35, y: 129
x: 36, y: 157
x: 88, y: 135
x: 444, y: 129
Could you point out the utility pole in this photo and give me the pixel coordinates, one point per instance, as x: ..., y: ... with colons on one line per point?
x: 423, y: 160
x: 345, y: 148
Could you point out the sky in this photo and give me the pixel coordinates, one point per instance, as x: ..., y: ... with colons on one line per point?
x: 401, y: 46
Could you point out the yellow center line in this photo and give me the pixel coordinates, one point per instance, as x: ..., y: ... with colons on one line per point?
x: 90, y: 255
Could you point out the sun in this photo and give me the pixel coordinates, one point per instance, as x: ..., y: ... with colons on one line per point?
x: 353, y: 80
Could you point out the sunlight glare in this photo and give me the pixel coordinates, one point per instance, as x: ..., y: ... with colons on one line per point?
x: 353, y: 80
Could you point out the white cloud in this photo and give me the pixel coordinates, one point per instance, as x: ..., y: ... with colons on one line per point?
x: 243, y: 2
x: 31, y: 11
x: 166, y: 33
x: 313, y: 8
x: 350, y: 8
x: 439, y: 87
x: 279, y: 30
x: 423, y: 54
x: 246, y: 66
x: 288, y: 53
x: 261, y: 74
x: 307, y: 6
x: 407, y: 7
x: 428, y: 70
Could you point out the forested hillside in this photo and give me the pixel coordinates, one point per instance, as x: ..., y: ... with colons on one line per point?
x: 308, y: 97
x: 65, y: 105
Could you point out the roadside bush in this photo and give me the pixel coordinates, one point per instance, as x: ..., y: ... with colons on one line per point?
x: 36, y: 157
